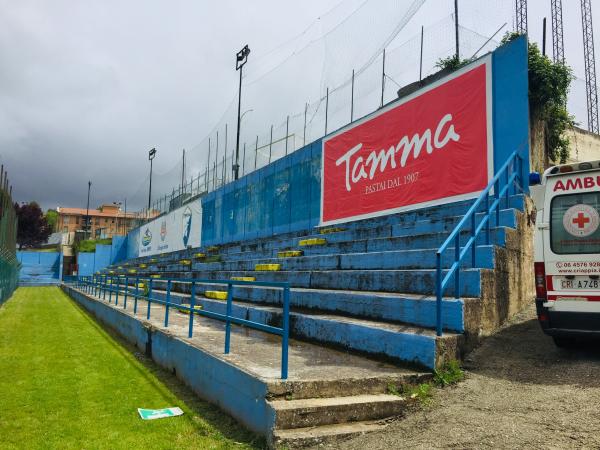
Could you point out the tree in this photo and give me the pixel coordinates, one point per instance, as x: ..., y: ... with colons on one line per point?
x: 52, y: 219
x: 33, y: 228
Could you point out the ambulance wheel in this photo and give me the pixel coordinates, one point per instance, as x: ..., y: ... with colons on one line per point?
x: 563, y: 342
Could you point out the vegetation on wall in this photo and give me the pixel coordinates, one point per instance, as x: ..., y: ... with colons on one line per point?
x: 549, y: 84
x: 89, y: 246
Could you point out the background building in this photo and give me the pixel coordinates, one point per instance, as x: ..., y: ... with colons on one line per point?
x: 106, y: 221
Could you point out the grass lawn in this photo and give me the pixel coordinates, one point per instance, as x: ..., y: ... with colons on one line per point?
x: 66, y: 383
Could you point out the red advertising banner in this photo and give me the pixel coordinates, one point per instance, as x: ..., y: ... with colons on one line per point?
x: 433, y: 147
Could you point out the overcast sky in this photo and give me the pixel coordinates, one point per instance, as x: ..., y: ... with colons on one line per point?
x: 87, y: 87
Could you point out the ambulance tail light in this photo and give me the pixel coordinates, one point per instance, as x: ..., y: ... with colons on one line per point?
x: 540, y: 280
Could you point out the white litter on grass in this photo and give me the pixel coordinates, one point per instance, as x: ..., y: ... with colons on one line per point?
x: 151, y: 414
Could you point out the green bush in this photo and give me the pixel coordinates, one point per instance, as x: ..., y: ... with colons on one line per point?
x: 89, y: 246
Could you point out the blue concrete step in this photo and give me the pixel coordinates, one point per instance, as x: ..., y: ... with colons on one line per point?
x: 398, y: 342
x: 389, y: 307
x: 410, y: 281
x: 403, y: 259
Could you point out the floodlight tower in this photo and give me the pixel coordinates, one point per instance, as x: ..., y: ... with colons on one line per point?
x: 521, y: 10
x: 590, y: 65
x: 558, y: 44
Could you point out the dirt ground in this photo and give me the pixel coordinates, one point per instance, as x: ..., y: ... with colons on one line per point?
x: 520, y: 392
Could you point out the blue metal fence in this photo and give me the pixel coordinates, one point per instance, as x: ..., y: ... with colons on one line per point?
x: 100, y: 285
x: 510, y: 171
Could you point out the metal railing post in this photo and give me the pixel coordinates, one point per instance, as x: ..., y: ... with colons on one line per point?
x: 497, y: 197
x: 228, y: 319
x: 487, y: 213
x: 167, y: 303
x: 149, y: 300
x: 192, y: 306
x: 137, y: 294
x: 286, y: 333
x: 438, y: 293
x: 117, y: 290
x: 110, y: 289
x: 125, y: 294
x: 474, y: 244
x: 457, y: 271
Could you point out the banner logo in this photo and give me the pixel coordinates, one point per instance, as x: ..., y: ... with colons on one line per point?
x: 163, y: 230
x: 147, y: 238
x: 431, y: 148
x: 186, y: 222
x: 581, y: 220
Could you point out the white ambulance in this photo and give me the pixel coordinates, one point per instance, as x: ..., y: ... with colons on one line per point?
x: 567, y: 251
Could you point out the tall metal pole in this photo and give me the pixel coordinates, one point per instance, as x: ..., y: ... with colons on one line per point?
x: 287, y: 132
x: 241, y: 59
x: 225, y: 167
x: 87, y: 212
x: 326, y: 109
x: 271, y: 145
x: 304, y: 133
x: 456, y: 29
x: 421, y: 58
x: 244, y: 161
x: 126, y: 221
x: 544, y: 37
x: 558, y: 44
x: 521, y: 15
x: 151, y: 155
x: 183, y: 173
x: 383, y: 78
x: 352, y: 98
x: 590, y: 66
x: 256, y: 152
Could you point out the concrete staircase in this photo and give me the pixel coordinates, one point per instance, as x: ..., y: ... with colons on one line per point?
x: 35, y: 274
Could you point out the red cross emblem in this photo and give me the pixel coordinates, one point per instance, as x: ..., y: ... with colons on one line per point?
x: 581, y: 220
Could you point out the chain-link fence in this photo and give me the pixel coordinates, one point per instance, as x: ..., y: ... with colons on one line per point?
x: 9, y: 265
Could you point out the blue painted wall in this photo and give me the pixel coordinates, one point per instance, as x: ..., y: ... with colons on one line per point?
x: 39, y: 266
x: 511, y: 104
x: 104, y: 256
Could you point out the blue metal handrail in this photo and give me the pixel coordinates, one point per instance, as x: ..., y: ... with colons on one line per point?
x: 511, y: 170
x: 98, y: 285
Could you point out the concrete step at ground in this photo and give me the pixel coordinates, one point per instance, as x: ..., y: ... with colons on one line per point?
x: 404, y: 343
x: 401, y: 259
x: 325, y: 434
x: 405, y: 308
x: 290, y: 414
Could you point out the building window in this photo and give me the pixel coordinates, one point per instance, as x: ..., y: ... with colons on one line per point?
x: 66, y: 220
x: 77, y: 220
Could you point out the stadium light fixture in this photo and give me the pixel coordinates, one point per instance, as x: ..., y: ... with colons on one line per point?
x: 151, y: 155
x: 241, y: 58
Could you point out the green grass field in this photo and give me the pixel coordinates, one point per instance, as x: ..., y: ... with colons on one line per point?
x: 66, y: 383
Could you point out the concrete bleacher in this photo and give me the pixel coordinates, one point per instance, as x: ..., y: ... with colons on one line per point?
x: 366, y: 287
x: 38, y: 268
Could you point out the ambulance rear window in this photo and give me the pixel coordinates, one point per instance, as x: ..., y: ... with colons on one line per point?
x: 574, y: 223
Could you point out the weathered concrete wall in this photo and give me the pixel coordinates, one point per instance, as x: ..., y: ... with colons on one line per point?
x: 584, y: 146
x: 509, y: 287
